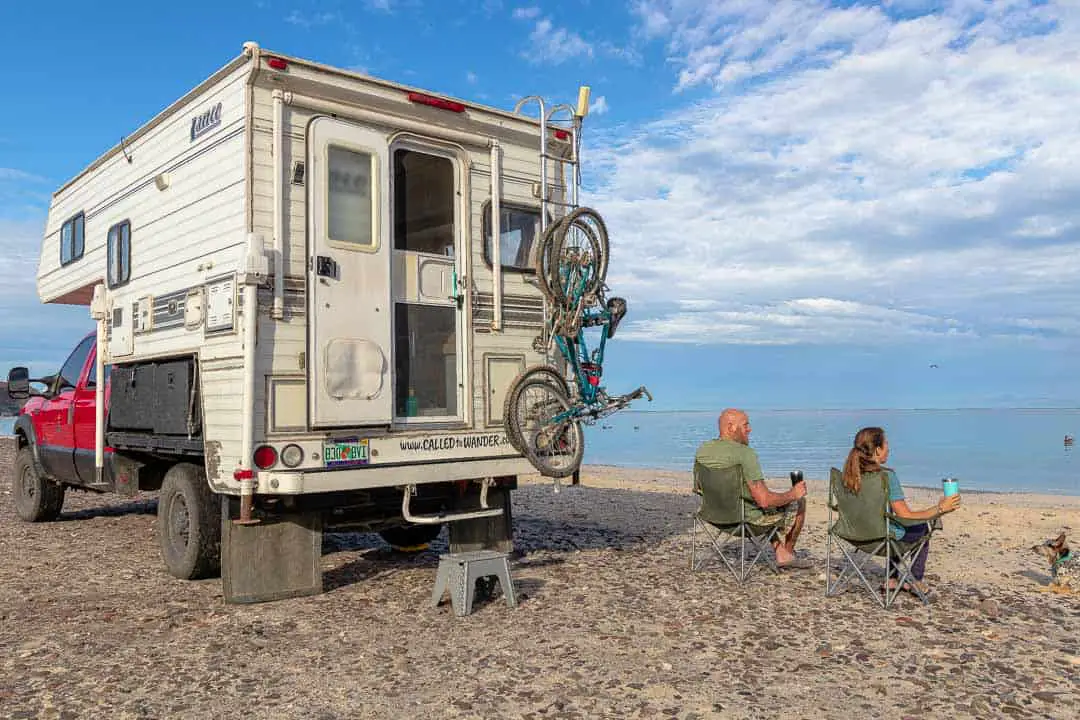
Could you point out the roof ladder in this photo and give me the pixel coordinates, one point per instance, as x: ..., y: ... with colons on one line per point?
x: 573, y: 128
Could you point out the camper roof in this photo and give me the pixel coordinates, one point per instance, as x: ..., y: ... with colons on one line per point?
x: 252, y: 49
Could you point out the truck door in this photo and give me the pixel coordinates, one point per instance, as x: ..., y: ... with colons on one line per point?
x: 349, y: 309
x: 85, y: 401
x: 56, y: 431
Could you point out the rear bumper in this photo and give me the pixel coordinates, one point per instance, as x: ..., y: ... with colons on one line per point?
x: 272, y: 482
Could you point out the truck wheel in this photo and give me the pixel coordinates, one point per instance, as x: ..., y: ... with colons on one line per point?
x: 410, y: 538
x: 36, y: 498
x: 189, y: 524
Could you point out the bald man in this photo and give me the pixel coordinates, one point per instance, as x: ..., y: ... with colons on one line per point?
x: 786, y: 510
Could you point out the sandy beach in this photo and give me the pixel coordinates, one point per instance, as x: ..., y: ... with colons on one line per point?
x: 611, y: 623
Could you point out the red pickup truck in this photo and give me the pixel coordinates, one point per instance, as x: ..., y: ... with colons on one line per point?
x: 55, y: 434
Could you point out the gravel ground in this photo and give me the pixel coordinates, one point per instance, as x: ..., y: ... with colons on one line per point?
x: 611, y: 624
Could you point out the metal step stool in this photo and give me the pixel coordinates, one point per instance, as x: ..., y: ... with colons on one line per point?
x: 458, y: 573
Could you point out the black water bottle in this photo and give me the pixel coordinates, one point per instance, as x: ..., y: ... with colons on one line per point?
x: 796, y: 477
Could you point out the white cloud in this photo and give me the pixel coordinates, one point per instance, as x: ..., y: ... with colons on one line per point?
x: 554, y: 45
x: 470, y: 77
x: 308, y: 21
x: 599, y: 106
x: 526, y: 13
x: 852, y: 177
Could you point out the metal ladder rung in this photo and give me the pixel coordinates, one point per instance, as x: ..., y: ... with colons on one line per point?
x: 559, y: 158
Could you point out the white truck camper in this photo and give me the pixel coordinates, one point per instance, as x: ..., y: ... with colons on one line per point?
x: 313, y: 290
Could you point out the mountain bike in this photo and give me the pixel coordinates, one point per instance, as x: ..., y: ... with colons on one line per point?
x: 546, y: 407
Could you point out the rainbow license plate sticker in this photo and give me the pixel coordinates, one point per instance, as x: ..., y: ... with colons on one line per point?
x: 339, y: 452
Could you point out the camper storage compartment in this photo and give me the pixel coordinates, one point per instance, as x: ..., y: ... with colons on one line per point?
x: 152, y: 397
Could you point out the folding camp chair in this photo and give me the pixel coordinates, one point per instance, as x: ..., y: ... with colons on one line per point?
x: 722, y: 518
x: 861, y: 531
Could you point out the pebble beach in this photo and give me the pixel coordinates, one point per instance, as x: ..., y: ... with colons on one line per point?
x: 611, y: 623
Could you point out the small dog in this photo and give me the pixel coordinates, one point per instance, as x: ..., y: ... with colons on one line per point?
x: 1064, y: 566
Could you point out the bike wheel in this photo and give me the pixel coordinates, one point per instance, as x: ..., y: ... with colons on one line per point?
x: 546, y: 267
x: 547, y: 373
x: 554, y: 447
x: 581, y: 256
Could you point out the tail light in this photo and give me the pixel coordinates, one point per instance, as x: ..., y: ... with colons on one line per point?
x: 265, y: 457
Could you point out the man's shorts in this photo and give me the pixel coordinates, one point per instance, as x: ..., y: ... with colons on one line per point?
x: 782, y: 517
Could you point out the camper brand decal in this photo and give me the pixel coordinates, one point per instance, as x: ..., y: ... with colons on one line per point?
x: 203, y: 124
x: 455, y: 442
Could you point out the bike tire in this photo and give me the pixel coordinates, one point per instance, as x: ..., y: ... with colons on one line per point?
x: 589, y: 223
x: 537, y: 439
x: 546, y: 372
x: 545, y: 254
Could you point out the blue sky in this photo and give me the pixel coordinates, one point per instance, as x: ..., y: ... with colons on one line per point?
x: 810, y: 203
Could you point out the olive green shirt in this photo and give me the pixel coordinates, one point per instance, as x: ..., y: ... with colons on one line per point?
x: 719, y: 453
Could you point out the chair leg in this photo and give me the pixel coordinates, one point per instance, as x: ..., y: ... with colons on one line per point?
x: 854, y: 565
x: 693, y: 545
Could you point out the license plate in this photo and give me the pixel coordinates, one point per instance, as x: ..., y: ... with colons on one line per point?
x: 346, y: 451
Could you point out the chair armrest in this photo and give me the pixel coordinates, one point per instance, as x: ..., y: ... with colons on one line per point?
x: 932, y: 523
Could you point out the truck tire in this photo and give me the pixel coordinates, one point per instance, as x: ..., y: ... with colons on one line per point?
x: 410, y: 538
x: 189, y: 524
x: 37, y: 499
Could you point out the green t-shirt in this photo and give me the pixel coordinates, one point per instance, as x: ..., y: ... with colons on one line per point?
x: 720, y: 453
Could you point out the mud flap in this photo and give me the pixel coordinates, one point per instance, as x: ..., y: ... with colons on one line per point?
x: 492, y: 533
x: 278, y: 558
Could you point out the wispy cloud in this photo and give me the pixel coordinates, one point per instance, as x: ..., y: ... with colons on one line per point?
x: 11, y: 174
x: 54, y: 329
x: 599, y: 106
x: 905, y: 175
x: 308, y: 21
x: 470, y: 77
x: 526, y: 13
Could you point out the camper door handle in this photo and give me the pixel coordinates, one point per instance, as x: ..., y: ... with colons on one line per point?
x: 325, y: 266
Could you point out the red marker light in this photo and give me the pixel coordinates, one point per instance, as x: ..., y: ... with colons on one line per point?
x: 277, y: 63
x: 562, y: 135
x: 436, y: 102
x: 265, y: 456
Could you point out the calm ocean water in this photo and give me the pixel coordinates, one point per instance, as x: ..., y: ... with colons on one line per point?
x: 1019, y: 450
x: 1005, y: 450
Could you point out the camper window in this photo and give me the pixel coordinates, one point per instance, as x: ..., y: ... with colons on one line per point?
x: 423, y: 203
x: 350, y: 198
x: 71, y: 239
x: 119, y: 253
x: 519, y: 227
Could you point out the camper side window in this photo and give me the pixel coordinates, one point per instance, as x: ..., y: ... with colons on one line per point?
x: 519, y: 228
x: 71, y: 239
x: 350, y: 200
x: 119, y: 253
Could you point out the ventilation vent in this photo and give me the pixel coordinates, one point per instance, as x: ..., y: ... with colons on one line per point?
x: 298, y: 173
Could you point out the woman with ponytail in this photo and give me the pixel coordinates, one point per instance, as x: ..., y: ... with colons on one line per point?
x: 868, y: 455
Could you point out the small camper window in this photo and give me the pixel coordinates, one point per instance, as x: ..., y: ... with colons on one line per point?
x: 71, y: 239
x: 350, y: 199
x: 519, y: 229
x: 119, y: 254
